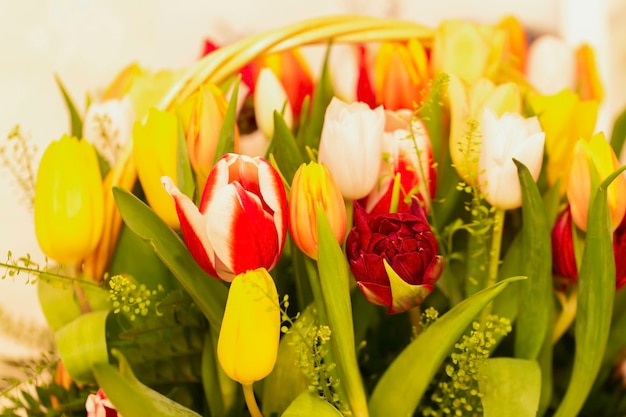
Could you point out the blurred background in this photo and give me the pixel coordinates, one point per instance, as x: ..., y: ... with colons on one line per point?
x: 86, y: 42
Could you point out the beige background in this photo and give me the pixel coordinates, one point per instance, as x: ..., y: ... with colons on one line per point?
x: 87, y: 41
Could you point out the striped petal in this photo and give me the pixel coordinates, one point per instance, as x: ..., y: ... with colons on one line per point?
x: 193, y: 226
x: 241, y: 232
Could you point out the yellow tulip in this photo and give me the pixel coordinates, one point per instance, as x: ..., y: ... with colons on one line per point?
x: 467, y: 50
x: 468, y: 104
x: 248, y: 342
x: 515, y: 44
x: 69, y: 206
x: 203, y: 115
x: 594, y: 153
x: 565, y: 119
x: 154, y: 150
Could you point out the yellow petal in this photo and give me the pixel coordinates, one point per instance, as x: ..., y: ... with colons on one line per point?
x: 248, y: 342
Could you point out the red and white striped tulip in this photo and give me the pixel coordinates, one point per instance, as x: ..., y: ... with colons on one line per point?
x: 242, y: 219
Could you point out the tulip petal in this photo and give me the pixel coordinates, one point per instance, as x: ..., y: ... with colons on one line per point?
x: 242, y: 232
x: 193, y: 227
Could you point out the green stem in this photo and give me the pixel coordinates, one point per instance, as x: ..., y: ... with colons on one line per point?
x: 494, y: 253
x: 253, y: 407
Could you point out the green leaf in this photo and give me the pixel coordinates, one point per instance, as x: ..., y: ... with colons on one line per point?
x: 512, y: 385
x: 208, y: 293
x: 82, y: 344
x: 322, y: 95
x: 76, y: 123
x: 536, y: 292
x: 596, y: 292
x: 334, y: 281
x: 135, y: 257
x: 59, y: 302
x: 286, y: 152
x: 184, y: 173
x: 618, y: 136
x: 287, y: 382
x: 307, y: 404
x: 226, y: 142
x: 403, y: 384
x: 130, y: 397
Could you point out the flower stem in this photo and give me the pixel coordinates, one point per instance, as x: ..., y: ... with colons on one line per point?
x: 494, y: 254
x: 253, y: 407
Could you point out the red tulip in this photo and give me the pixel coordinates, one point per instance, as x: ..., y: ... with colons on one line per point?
x: 403, y: 241
x: 619, y: 249
x: 242, y: 219
x: 406, y: 151
x: 563, y: 256
x: 564, y: 264
x: 98, y: 405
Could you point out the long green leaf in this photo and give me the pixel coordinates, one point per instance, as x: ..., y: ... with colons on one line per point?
x: 512, y: 385
x: 76, y: 123
x: 130, y: 397
x: 536, y: 291
x: 207, y: 292
x: 184, y: 172
x: 226, y: 142
x: 334, y: 280
x: 286, y: 152
x: 321, y: 98
x: 596, y: 292
x: 403, y: 384
x: 82, y: 344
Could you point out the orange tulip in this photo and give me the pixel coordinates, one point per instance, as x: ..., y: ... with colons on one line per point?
x: 312, y: 185
x: 401, y: 75
x: 594, y: 153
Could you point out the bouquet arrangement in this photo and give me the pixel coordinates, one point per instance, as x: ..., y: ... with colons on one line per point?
x: 422, y: 229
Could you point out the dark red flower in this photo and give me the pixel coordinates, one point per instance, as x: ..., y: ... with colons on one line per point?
x: 563, y: 256
x: 619, y: 250
x: 405, y: 241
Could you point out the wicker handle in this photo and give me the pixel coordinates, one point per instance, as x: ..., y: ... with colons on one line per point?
x: 222, y: 63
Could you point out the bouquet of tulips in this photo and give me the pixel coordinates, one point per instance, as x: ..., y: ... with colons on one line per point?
x: 430, y: 226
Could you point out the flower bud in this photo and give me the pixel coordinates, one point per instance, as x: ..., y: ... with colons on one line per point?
x: 351, y: 146
x: 203, y: 115
x: 155, y: 154
x: 69, y: 206
x: 98, y: 405
x: 504, y: 139
x: 270, y: 96
x: 619, y: 249
x: 401, y: 75
x: 467, y: 50
x: 467, y: 104
x: 564, y: 118
x: 406, y: 151
x: 293, y: 73
x: 248, y: 342
x: 394, y: 257
x: 312, y: 185
x: 241, y: 223
x: 594, y: 153
x: 551, y: 65
x: 564, y: 263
